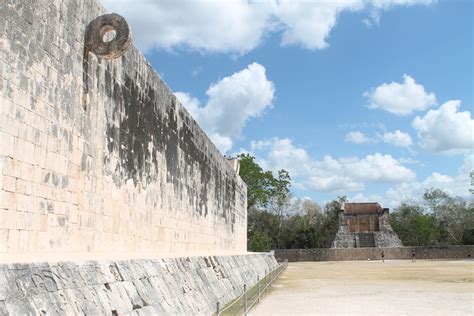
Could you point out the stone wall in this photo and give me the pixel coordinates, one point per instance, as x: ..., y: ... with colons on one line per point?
x: 180, y: 286
x: 119, y: 170
x: 331, y: 254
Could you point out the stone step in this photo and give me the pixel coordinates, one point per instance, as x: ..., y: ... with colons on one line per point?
x: 366, y: 240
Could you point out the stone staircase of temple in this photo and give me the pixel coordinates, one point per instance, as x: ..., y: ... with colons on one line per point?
x: 366, y: 240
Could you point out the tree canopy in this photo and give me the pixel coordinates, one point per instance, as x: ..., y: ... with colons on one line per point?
x: 277, y: 219
x: 440, y: 220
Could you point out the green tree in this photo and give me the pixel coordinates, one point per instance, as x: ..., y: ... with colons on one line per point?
x: 259, y: 242
x: 278, y: 220
x: 267, y: 199
x: 455, y: 215
x: 297, y: 232
x: 259, y: 183
x: 279, y: 201
x: 329, y: 223
x: 312, y: 211
x: 414, y: 227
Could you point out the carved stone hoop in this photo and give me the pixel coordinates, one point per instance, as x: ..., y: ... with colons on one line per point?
x: 97, y: 30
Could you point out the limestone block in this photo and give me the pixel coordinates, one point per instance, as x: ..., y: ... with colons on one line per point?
x: 8, y: 183
x: 13, y: 242
x: 23, y: 241
x: 7, y: 144
x: 3, y: 240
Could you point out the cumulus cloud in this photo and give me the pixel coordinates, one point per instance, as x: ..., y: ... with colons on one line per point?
x: 233, y: 26
x: 379, y: 168
x: 387, y: 4
x: 231, y: 102
x: 412, y: 191
x: 378, y: 6
x: 309, y: 23
x: 357, y: 137
x: 361, y: 197
x: 446, y: 129
x: 457, y: 185
x: 238, y: 26
x: 400, y: 98
x: 282, y: 154
x: 329, y: 174
x: 397, y: 138
x: 191, y: 103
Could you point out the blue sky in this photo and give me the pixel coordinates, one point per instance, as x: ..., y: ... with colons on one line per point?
x: 354, y: 97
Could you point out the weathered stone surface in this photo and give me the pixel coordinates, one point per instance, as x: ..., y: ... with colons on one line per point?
x: 131, y: 173
x: 98, y: 159
x: 150, y: 287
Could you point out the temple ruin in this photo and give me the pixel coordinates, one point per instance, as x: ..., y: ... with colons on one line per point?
x: 365, y: 225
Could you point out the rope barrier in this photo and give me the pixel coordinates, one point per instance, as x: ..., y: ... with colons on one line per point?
x: 274, y: 274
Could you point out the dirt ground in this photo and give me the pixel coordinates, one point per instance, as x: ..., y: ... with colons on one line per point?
x: 396, y: 287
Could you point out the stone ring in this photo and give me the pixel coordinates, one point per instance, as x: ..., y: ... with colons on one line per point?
x: 101, y: 29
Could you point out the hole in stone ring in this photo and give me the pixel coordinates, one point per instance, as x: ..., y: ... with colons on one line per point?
x: 107, y: 36
x: 107, y: 33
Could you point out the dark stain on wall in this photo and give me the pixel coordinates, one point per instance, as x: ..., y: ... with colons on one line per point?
x: 139, y: 116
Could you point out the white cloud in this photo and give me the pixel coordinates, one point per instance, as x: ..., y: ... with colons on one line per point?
x: 378, y: 6
x: 397, y: 138
x: 379, y: 168
x: 333, y: 184
x: 224, y: 143
x: 387, y: 4
x: 409, y: 160
x: 191, y: 103
x: 309, y: 23
x: 357, y: 137
x: 354, y: 174
x: 282, y: 154
x: 238, y: 26
x: 446, y: 130
x: 231, y: 102
x: 329, y: 174
x: 233, y: 26
x: 360, y: 197
x: 413, y: 190
x: 400, y: 98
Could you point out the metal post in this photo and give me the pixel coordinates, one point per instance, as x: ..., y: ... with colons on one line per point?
x: 258, y: 285
x: 245, y: 299
x: 218, y: 309
x: 265, y: 282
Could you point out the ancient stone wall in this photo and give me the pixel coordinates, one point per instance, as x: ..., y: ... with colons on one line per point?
x: 179, y: 286
x: 116, y: 167
x: 331, y: 254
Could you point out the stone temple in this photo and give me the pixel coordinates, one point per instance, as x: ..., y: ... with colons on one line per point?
x: 365, y: 225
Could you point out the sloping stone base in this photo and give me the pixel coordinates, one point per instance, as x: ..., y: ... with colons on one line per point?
x: 190, y: 285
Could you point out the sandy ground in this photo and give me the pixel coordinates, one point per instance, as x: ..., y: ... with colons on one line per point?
x: 396, y: 287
